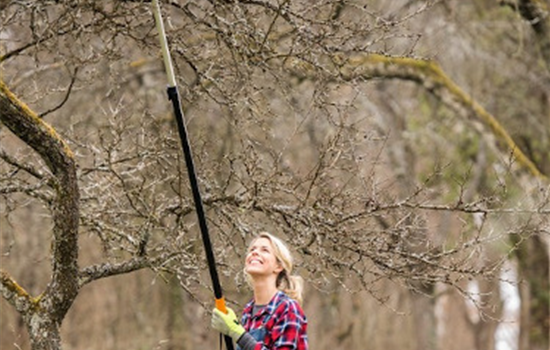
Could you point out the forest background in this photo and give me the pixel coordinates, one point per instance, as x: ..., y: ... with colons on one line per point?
x: 399, y: 147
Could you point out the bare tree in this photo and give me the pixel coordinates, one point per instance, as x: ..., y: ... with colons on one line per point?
x: 278, y: 97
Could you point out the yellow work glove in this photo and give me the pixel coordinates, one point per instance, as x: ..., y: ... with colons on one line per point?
x: 227, y: 323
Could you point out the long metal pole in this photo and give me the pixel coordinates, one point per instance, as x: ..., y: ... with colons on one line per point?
x: 173, y: 95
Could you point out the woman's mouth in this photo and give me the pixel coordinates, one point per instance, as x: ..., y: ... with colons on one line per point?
x: 254, y: 261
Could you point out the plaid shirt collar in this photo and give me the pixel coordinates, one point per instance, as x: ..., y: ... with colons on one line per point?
x: 269, y: 309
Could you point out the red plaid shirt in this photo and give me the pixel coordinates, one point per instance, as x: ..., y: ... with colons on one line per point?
x: 286, y: 328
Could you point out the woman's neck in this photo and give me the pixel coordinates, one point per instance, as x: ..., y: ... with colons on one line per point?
x: 264, y: 290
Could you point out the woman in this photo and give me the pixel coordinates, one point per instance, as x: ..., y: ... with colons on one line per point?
x: 273, y: 319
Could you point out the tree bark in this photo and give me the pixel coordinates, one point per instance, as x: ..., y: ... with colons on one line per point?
x: 43, y: 331
x: 43, y: 315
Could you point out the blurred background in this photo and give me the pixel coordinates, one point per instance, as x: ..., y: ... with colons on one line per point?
x: 399, y: 147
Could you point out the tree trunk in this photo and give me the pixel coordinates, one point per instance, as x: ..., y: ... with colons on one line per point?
x: 43, y: 332
x: 43, y: 315
x: 533, y: 270
x: 423, y: 313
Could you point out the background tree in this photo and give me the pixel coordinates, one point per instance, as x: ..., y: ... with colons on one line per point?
x: 326, y: 123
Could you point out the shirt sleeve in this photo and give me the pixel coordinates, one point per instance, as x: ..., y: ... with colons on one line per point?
x: 247, y: 342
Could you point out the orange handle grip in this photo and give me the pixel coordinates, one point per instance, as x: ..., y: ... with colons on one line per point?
x: 220, y: 305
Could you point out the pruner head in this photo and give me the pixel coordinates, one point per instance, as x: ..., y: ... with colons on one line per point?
x: 163, y: 44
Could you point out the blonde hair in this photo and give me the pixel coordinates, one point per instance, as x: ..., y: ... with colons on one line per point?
x: 292, y: 285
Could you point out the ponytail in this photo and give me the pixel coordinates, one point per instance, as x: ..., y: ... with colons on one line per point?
x: 293, y: 286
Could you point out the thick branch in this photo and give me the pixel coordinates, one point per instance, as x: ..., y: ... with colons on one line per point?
x: 429, y: 75
x: 41, y: 137
x: 95, y: 272
x: 15, y: 294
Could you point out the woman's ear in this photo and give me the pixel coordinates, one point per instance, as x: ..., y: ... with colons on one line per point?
x: 279, y: 267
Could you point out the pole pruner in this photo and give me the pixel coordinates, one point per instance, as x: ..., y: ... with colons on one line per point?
x: 173, y: 95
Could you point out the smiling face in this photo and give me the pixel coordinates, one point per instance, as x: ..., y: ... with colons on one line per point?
x: 261, y: 260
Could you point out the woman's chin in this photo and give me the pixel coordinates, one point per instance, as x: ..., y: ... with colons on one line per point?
x: 254, y: 272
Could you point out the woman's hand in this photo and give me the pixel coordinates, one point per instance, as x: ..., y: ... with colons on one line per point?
x: 227, y: 324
